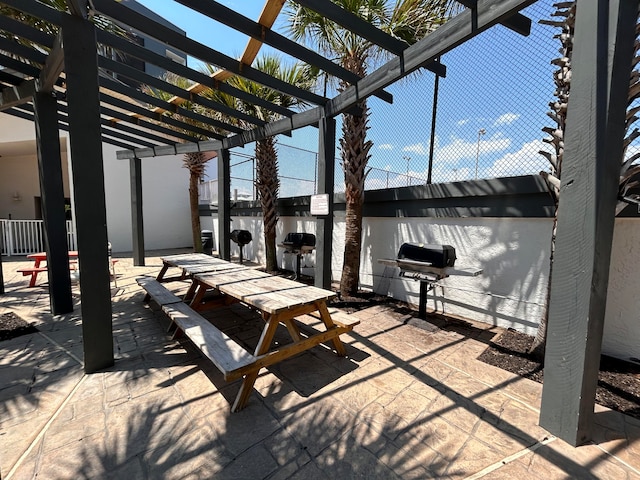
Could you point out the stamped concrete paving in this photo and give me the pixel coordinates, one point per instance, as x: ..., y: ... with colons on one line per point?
x: 411, y: 400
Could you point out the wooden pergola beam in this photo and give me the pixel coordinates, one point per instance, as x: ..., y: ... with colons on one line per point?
x: 53, y: 67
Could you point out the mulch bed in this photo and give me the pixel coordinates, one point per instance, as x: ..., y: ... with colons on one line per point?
x: 12, y: 326
x: 618, y: 381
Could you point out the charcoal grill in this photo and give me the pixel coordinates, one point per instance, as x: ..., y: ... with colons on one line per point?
x: 427, y: 264
x: 242, y: 238
x: 298, y: 244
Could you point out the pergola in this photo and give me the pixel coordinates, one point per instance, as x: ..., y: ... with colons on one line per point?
x: 60, y: 86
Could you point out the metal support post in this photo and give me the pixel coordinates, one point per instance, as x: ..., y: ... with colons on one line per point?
x: 137, y: 223
x: 52, y: 195
x: 324, y: 224
x: 81, y: 68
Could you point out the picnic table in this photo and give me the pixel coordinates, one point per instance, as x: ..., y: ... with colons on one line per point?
x: 37, y: 268
x: 279, y: 301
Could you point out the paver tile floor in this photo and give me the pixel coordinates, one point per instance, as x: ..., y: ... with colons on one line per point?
x: 408, y: 402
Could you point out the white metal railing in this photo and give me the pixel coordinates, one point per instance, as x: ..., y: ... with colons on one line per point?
x: 208, y: 192
x: 22, y: 237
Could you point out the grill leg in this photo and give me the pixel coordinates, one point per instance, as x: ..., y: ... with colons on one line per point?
x: 425, y: 287
x: 241, y: 247
x: 298, y: 258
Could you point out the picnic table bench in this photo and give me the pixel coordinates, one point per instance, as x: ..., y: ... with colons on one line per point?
x: 278, y: 300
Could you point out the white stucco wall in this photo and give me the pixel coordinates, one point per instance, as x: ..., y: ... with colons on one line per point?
x: 19, y: 169
x: 165, y: 202
x: 14, y: 129
x: 622, y: 317
x: 512, y: 252
x: 165, y: 189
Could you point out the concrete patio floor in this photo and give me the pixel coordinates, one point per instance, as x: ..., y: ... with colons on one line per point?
x: 410, y: 401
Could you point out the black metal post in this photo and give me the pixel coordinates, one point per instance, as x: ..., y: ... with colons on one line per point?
x: 324, y: 224
x: 52, y: 195
x: 224, y: 204
x: 137, y: 221
x: 81, y: 68
x: 434, y: 111
x: 586, y: 214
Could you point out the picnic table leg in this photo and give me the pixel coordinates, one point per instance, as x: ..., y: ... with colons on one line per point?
x: 165, y: 267
x: 190, y: 293
x: 326, y: 319
x: 293, y: 329
x: 34, y: 277
x: 200, y: 290
x: 250, y: 379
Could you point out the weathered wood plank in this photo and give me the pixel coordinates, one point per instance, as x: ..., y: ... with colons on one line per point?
x: 226, y: 354
x: 339, y: 317
x: 157, y: 291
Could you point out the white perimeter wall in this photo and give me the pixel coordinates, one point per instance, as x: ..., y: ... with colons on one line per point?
x: 514, y: 256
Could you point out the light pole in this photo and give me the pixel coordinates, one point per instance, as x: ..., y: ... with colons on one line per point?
x: 481, y: 132
x: 408, y: 159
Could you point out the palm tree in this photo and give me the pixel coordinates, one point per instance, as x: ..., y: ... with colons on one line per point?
x: 266, y: 153
x: 629, y: 171
x: 49, y: 28
x: 408, y: 20
x: 194, y: 162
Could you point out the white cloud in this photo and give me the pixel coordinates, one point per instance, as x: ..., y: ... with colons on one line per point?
x: 460, y: 149
x: 506, y: 119
x: 462, y: 122
x: 525, y: 161
x: 417, y: 148
x: 385, y: 146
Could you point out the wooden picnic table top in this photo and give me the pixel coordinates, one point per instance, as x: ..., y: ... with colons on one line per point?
x: 265, y: 292
x: 187, y: 260
x: 193, y: 263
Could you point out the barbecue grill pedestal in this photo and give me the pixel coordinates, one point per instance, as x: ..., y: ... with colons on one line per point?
x: 427, y: 275
x: 298, y: 253
x: 298, y: 244
x: 242, y: 238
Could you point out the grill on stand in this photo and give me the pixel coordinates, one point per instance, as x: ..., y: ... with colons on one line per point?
x: 242, y: 238
x: 427, y: 264
x: 298, y: 244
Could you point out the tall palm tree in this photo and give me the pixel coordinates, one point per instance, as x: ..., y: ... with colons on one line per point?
x: 408, y: 20
x: 266, y: 153
x: 194, y: 162
x: 564, y: 18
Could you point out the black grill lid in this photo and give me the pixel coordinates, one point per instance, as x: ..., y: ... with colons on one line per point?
x: 297, y: 240
x: 439, y: 256
x: 241, y: 237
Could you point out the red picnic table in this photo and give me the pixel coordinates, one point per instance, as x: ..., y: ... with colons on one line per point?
x: 38, y: 258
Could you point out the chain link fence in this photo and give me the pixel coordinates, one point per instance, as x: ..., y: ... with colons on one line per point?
x: 297, y: 169
x: 488, y: 111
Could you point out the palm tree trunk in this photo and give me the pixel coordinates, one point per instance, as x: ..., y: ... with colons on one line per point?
x: 268, y: 185
x: 352, y: 247
x: 355, y: 155
x: 537, y: 349
x: 195, y: 163
x: 194, y: 180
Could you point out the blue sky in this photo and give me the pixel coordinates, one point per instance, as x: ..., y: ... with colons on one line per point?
x: 500, y: 83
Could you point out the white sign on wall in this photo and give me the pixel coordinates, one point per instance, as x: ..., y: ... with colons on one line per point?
x: 320, y: 204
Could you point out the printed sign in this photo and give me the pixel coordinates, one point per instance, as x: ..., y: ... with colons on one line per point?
x: 320, y: 204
